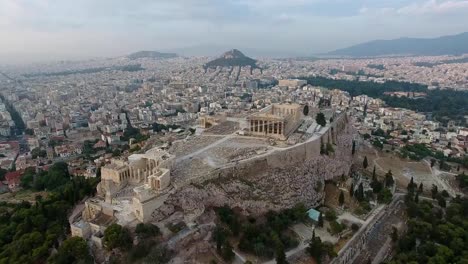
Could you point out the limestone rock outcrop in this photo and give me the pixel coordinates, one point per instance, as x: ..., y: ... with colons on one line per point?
x: 257, y: 187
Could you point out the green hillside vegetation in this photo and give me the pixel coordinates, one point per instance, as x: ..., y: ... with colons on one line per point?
x: 435, y: 234
x: 444, y: 104
x: 222, y: 62
x: 264, y: 237
x: 232, y: 58
x: 29, y: 232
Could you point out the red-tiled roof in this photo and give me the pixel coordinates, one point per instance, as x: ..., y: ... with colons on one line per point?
x: 14, y: 176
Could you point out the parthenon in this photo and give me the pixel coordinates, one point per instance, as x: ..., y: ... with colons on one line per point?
x: 276, y: 121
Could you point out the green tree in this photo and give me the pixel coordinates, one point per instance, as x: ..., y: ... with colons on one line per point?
x: 421, y: 188
x: 365, y: 163
x: 72, y: 250
x: 280, y: 256
x: 27, y: 180
x: 353, y: 149
x: 389, y: 179
x: 147, y: 230
x: 376, y: 186
x: 441, y: 200
x: 227, y: 254
x: 359, y: 194
x: 37, y: 152
x: 219, y: 236
x: 315, y: 249
x: 341, y: 199
x: 320, y: 220
x: 411, y: 186
x: 116, y: 236
x: 305, y: 110
x: 330, y: 215
x: 384, y: 196
x: 394, y: 234
x: 434, y: 191
x: 158, y: 255
x: 320, y: 119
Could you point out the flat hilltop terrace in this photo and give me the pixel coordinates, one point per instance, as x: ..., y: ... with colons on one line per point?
x: 200, y: 155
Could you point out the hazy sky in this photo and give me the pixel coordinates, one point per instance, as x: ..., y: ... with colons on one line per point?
x: 60, y: 29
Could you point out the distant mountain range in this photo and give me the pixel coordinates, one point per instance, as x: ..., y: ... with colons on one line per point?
x: 232, y: 58
x: 151, y: 54
x: 445, y: 45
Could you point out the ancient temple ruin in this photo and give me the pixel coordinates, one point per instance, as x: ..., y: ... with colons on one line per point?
x: 129, y: 191
x: 277, y: 121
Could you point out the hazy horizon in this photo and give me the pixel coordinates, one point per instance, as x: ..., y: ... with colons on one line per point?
x: 47, y: 30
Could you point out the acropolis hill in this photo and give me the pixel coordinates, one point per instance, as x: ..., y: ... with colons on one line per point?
x: 268, y: 160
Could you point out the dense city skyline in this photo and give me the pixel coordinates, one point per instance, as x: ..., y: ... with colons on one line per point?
x: 41, y: 30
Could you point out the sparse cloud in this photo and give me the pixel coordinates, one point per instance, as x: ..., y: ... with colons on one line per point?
x: 435, y: 7
x: 427, y: 7
x: 305, y: 26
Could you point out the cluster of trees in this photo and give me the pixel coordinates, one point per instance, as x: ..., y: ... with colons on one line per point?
x: 380, y: 189
x: 335, y: 227
x: 160, y: 127
x: 326, y: 149
x: 266, y: 239
x: 421, y: 151
x: 56, y: 178
x: 435, y: 234
x: 88, y: 148
x: 116, y: 236
x: 416, y: 151
x: 462, y: 180
x: 444, y: 104
x: 29, y: 232
x: 72, y: 250
x: 55, y: 142
x: 132, y: 132
x: 38, y: 152
x: 320, y: 119
x: 318, y: 249
x: 148, y: 249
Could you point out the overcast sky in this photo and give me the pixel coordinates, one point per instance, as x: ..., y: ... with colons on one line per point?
x: 74, y: 29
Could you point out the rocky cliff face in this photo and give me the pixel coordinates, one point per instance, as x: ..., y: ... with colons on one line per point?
x: 257, y: 188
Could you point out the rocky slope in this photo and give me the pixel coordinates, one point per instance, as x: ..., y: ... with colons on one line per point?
x: 232, y: 58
